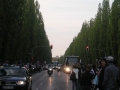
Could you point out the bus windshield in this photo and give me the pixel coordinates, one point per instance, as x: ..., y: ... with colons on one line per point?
x: 71, y: 61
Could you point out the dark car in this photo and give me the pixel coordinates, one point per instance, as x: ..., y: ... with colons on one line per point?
x: 15, y: 78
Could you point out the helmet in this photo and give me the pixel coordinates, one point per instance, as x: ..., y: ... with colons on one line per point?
x: 110, y: 58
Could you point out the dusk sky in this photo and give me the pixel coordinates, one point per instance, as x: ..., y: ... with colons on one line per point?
x: 63, y: 20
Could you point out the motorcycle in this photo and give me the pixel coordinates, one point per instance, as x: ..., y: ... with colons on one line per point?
x: 50, y: 71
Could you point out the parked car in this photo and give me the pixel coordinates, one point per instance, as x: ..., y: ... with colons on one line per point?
x: 15, y: 78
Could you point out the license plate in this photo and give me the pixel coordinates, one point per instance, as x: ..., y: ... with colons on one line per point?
x: 8, y: 87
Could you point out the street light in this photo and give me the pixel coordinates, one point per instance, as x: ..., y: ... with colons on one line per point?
x: 101, y: 51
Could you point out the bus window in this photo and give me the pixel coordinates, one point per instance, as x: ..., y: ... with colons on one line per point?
x: 72, y: 61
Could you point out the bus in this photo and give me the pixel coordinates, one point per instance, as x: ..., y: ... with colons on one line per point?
x: 69, y: 62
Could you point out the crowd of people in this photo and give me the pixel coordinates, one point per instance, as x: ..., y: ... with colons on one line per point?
x: 102, y: 76
x: 32, y: 68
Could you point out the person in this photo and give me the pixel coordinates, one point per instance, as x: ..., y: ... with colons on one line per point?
x: 21, y: 64
x: 93, y: 71
x: 75, y: 83
x: 111, y: 74
x: 100, y: 73
x: 39, y: 67
x: 5, y: 64
x: 30, y: 68
x: 86, y: 78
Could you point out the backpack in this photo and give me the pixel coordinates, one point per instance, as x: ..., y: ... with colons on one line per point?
x: 73, y: 76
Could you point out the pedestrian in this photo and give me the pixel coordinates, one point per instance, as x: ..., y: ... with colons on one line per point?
x: 80, y: 71
x: 93, y: 69
x: 100, y: 73
x: 39, y: 68
x: 86, y: 78
x: 75, y: 82
x: 111, y: 75
x: 30, y: 68
x: 5, y: 64
x: 94, y: 81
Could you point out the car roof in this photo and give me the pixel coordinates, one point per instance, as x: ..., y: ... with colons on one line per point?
x: 13, y: 67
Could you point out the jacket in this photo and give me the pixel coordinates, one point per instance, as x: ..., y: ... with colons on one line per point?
x: 76, y: 72
x: 86, y: 79
x: 110, y: 72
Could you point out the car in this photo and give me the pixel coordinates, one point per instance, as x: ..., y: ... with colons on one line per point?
x: 59, y: 67
x: 54, y: 66
x: 15, y: 78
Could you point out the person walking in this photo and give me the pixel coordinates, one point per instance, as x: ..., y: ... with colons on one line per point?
x: 75, y: 82
x: 111, y: 74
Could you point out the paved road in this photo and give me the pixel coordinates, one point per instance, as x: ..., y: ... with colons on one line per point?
x: 58, y: 81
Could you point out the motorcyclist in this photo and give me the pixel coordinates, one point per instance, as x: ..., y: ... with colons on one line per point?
x: 50, y: 70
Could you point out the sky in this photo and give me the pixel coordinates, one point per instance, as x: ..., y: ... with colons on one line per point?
x: 63, y: 20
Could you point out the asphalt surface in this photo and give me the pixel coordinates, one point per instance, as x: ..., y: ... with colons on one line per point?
x: 57, y: 81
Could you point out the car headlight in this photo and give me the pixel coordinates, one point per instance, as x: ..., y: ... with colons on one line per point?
x: 21, y: 83
x: 67, y: 69
x: 50, y: 69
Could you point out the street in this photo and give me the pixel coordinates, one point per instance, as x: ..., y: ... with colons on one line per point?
x: 57, y: 81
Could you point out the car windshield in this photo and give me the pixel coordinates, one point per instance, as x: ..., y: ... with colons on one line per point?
x: 12, y: 72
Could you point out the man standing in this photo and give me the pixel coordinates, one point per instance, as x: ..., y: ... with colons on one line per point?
x: 111, y: 74
x: 101, y: 73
